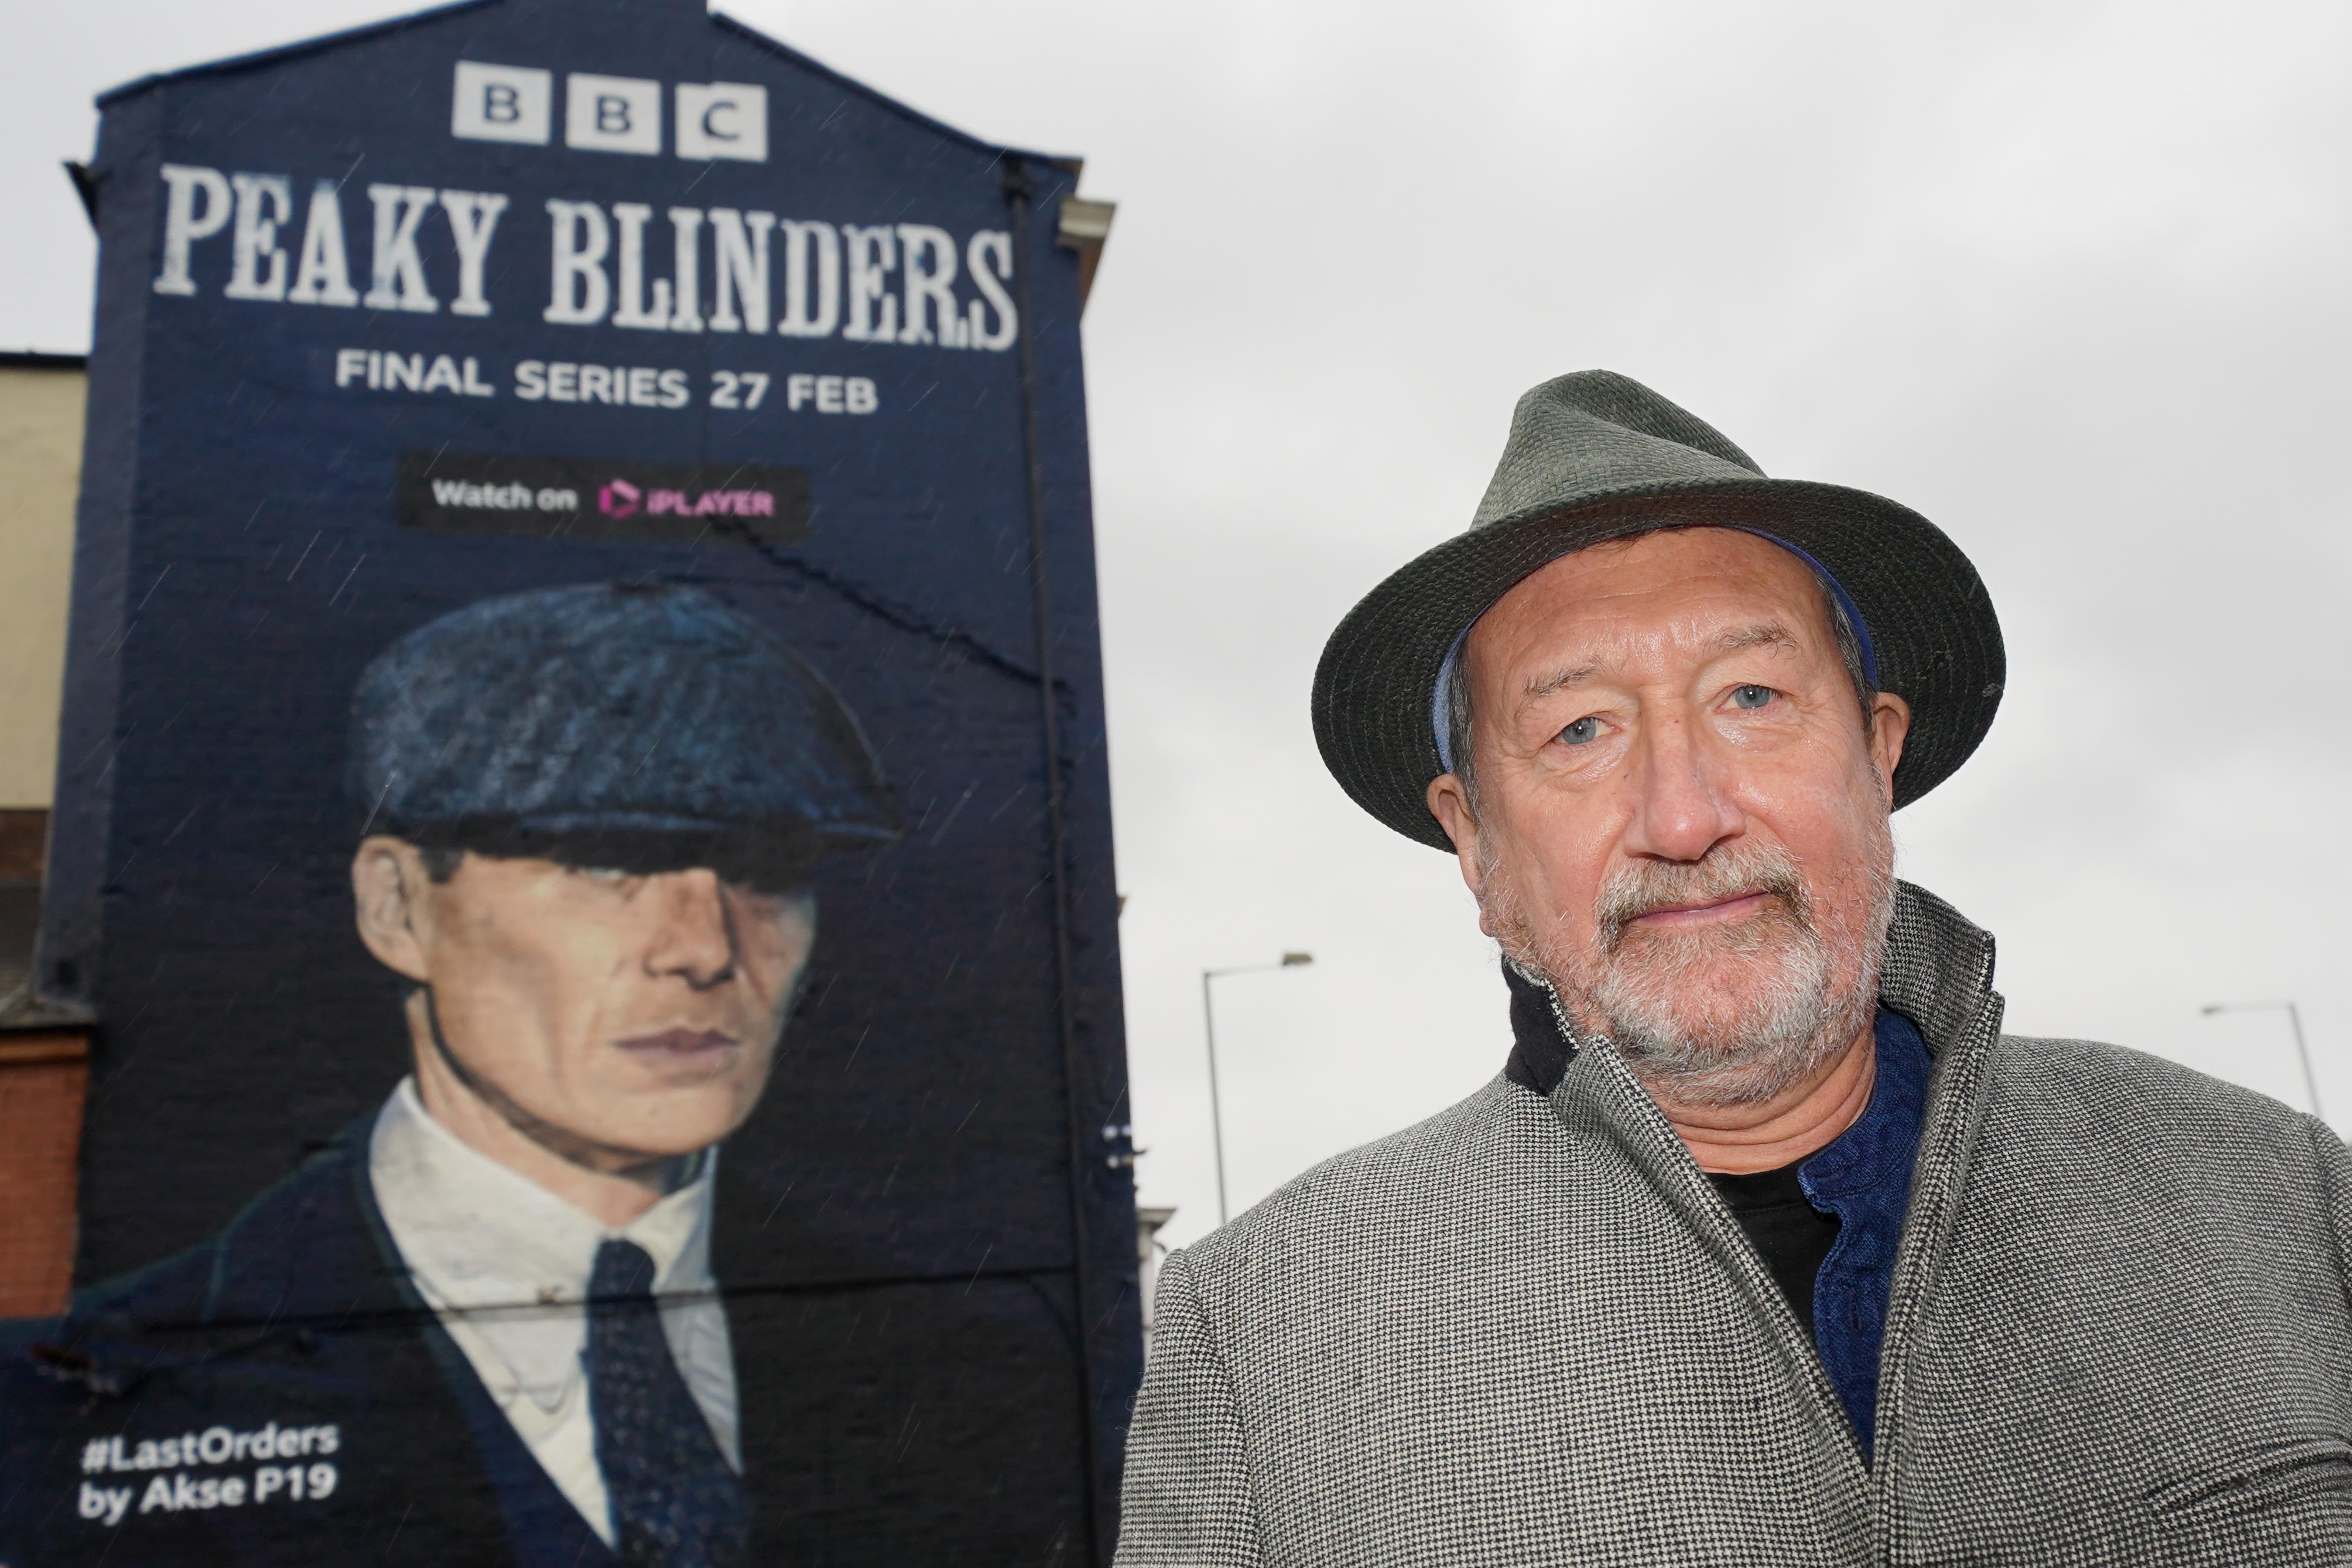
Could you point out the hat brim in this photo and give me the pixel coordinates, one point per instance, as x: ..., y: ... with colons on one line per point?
x: 1931, y: 623
x: 778, y: 854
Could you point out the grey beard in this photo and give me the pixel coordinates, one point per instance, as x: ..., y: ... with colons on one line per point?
x: 1808, y: 986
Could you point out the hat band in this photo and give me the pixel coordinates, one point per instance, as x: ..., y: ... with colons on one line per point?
x: 1441, y: 705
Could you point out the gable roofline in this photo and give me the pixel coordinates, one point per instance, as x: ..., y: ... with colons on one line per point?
x: 884, y: 101
x: 320, y: 44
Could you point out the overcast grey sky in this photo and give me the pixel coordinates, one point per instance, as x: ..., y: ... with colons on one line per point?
x: 2067, y: 277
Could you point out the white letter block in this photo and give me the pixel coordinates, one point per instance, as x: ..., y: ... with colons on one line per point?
x: 612, y: 113
x: 501, y: 103
x: 723, y: 120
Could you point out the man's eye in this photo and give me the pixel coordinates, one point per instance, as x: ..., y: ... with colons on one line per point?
x: 1751, y: 696
x: 1584, y: 730
x: 602, y: 873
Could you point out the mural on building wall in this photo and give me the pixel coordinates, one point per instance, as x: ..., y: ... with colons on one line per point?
x: 582, y: 819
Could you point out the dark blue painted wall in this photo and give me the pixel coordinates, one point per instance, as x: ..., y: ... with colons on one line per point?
x: 239, y: 563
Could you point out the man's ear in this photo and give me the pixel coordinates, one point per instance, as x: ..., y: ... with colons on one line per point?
x: 1450, y: 803
x: 1891, y: 722
x: 388, y: 883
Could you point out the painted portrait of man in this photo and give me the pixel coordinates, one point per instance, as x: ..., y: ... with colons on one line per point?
x: 591, y: 817
x: 492, y: 1322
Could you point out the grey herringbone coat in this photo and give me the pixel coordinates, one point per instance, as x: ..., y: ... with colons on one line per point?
x: 1527, y: 1332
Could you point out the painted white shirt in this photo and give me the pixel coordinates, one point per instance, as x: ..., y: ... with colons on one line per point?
x: 507, y: 1264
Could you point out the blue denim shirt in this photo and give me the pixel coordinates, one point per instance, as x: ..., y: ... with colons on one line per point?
x: 1864, y: 1179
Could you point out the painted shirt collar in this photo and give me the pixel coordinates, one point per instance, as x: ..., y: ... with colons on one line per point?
x: 485, y: 1241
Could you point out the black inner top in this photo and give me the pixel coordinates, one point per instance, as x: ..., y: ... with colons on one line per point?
x: 1792, y: 1234
x: 1539, y: 1051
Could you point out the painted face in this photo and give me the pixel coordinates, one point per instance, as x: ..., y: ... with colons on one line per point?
x: 1681, y: 820
x: 622, y: 1015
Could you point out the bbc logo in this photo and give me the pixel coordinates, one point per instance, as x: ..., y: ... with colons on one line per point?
x: 609, y: 114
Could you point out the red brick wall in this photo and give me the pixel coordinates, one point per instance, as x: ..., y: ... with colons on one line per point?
x: 43, y: 1079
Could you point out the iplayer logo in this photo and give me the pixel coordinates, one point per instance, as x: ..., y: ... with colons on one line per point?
x: 601, y: 497
x: 619, y: 498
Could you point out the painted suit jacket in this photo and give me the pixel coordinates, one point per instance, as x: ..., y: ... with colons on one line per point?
x: 279, y: 1395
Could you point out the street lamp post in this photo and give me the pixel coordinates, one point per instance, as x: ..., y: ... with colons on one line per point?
x: 1209, y: 1013
x: 2294, y: 1017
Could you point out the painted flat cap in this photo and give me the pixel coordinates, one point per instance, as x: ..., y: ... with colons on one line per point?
x: 1597, y: 456
x: 608, y: 710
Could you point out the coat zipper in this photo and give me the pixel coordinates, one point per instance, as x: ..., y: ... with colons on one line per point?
x: 1675, y: 1155
x: 1947, y: 1147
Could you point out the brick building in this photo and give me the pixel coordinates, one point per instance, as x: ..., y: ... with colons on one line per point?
x: 43, y: 1050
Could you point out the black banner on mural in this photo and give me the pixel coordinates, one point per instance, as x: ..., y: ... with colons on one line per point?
x: 592, y: 497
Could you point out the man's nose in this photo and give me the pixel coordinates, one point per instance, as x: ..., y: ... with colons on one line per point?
x: 693, y: 936
x: 1681, y: 806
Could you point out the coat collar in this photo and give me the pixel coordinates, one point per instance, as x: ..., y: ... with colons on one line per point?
x: 1939, y: 973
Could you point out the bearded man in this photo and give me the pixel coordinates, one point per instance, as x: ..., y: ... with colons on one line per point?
x: 1766, y: 1246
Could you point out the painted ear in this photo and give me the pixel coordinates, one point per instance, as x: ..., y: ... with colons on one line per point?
x: 388, y: 882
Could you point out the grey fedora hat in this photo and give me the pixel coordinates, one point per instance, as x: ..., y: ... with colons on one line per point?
x: 1597, y: 456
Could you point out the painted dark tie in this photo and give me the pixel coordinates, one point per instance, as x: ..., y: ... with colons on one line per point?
x: 676, y: 1501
